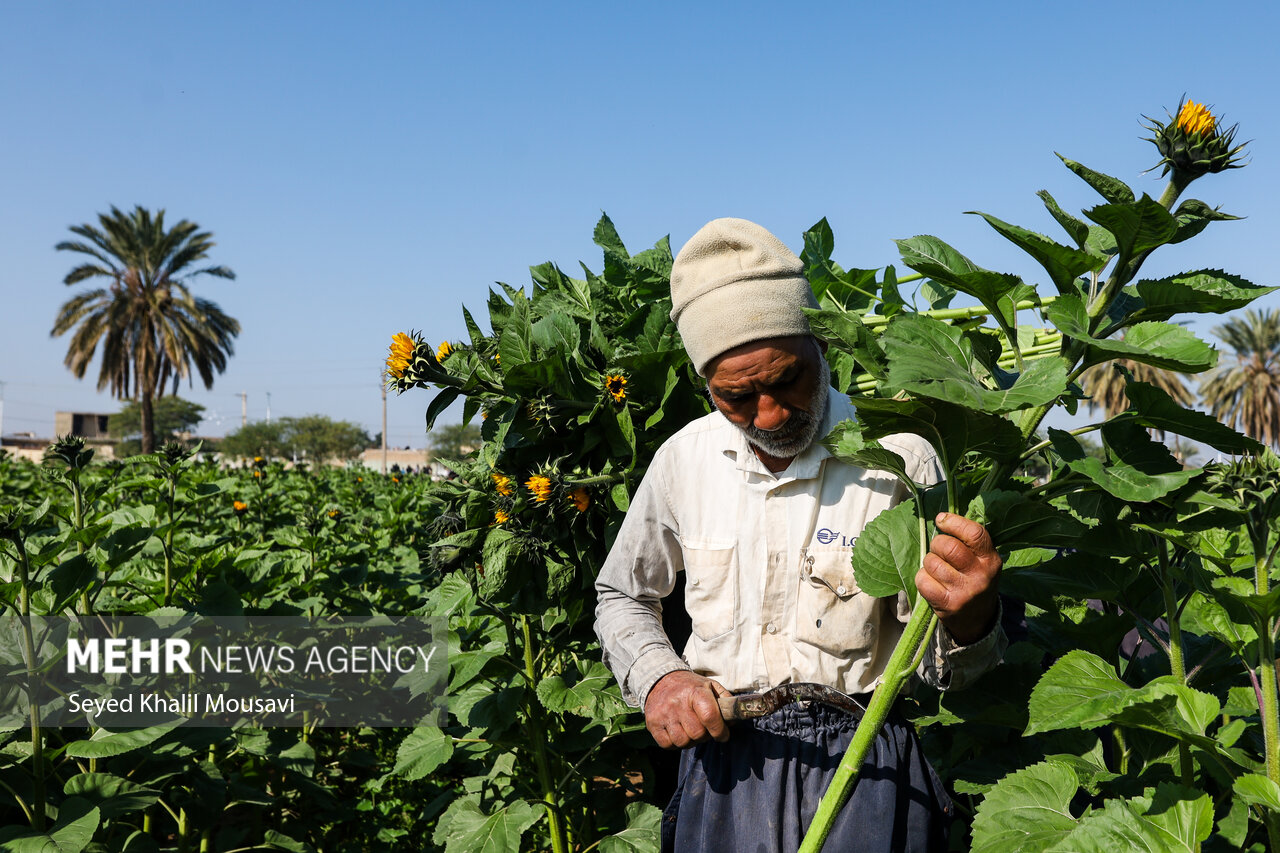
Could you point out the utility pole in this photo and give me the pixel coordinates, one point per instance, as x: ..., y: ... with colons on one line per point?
x: 2, y: 408
x: 268, y: 407
x: 244, y: 409
x: 382, y: 382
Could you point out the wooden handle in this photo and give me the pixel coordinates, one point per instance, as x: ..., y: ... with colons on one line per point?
x: 729, y: 707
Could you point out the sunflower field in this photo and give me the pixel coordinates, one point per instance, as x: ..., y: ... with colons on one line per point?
x: 1137, y: 705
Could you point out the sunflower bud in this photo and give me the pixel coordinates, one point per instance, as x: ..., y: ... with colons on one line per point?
x: 540, y: 486
x: 1193, y: 143
x: 69, y: 450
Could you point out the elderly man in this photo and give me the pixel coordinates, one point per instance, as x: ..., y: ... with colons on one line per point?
x: 761, y: 520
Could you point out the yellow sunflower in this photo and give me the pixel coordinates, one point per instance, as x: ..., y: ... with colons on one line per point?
x: 540, y: 486
x: 502, y: 483
x: 580, y: 499
x: 616, y: 385
x: 401, y: 355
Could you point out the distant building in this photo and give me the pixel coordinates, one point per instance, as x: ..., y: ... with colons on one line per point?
x: 84, y: 424
x: 90, y: 426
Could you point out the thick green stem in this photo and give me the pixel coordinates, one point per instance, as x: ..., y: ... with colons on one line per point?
x: 29, y: 650
x: 1269, y: 704
x: 896, y: 673
x: 538, y: 740
x: 78, y: 495
x: 960, y: 313
x: 1122, y: 751
x: 1177, y: 660
x: 168, y: 543
x: 1177, y: 183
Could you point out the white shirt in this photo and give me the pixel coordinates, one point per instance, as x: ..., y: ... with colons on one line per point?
x: 766, y: 563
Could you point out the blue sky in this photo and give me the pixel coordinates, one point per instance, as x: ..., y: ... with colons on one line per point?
x: 368, y: 168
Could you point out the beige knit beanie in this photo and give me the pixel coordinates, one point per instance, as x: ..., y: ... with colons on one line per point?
x: 734, y: 283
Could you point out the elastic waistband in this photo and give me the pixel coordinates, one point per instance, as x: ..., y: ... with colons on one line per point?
x: 805, y: 718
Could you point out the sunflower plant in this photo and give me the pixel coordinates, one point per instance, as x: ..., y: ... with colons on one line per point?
x: 1105, y: 746
x: 577, y: 384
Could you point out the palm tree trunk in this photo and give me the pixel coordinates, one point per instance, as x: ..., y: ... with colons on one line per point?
x: 146, y: 422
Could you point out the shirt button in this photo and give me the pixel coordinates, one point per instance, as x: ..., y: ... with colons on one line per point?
x: 771, y: 628
x: 695, y: 582
x: 841, y: 590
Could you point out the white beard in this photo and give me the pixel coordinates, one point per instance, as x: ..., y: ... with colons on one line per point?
x: 794, y: 437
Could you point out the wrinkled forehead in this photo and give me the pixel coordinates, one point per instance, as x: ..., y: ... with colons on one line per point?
x: 761, y: 357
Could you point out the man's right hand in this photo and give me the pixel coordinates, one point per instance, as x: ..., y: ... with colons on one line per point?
x: 681, y: 710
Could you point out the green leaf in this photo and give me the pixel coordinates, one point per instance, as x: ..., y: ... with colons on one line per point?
x: 937, y: 360
x: 1174, y: 820
x: 1015, y: 521
x: 997, y: 291
x: 1077, y: 230
x: 845, y: 442
x: 1199, y: 291
x: 112, y: 795
x: 556, y: 332
x: 1063, y: 263
x: 1117, y: 478
x: 1193, y: 215
x: 1158, y: 344
x: 886, y: 556
x: 275, y: 840
x: 845, y: 331
x: 1257, y: 790
x: 105, y: 744
x: 466, y: 828
x: 642, y: 835
x: 71, y: 577
x: 422, y: 751
x: 1112, y: 189
x: 1076, y: 575
x: 593, y: 694
x: 930, y: 251
x: 833, y: 287
x: 1027, y: 811
x: 1153, y: 408
x: 952, y: 430
x: 1137, y: 226
x: 936, y: 294
x: 1082, y: 690
x: 444, y: 399
x: 499, y: 547
x: 606, y: 237
x: 891, y: 301
x: 513, y: 338
x: 77, y: 821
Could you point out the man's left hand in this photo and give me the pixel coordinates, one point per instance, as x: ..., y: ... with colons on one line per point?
x: 958, y: 578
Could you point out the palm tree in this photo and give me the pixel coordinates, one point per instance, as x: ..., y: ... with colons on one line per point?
x: 1248, y: 392
x: 152, y: 329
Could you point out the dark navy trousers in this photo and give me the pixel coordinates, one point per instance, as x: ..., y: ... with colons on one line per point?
x: 757, y: 792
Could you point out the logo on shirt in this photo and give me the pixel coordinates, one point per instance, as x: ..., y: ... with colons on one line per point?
x: 826, y: 536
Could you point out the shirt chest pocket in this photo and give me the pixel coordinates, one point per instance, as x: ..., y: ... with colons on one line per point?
x: 832, y: 613
x: 711, y: 589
